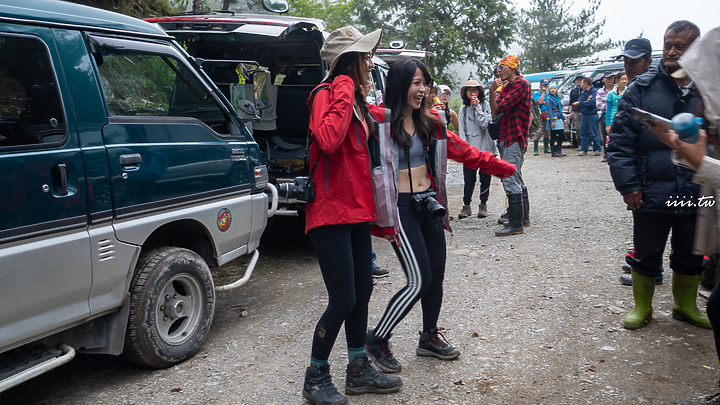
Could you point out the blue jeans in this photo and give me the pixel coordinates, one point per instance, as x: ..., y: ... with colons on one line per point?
x: 589, y: 123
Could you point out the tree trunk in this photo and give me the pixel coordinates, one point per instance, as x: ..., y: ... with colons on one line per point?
x: 196, y: 6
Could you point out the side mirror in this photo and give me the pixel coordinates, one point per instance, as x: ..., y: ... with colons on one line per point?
x: 276, y: 6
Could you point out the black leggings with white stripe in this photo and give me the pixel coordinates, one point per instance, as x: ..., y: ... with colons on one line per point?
x: 421, y: 250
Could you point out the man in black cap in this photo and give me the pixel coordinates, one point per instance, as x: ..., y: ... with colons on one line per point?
x: 575, y: 114
x: 661, y: 195
x: 637, y: 57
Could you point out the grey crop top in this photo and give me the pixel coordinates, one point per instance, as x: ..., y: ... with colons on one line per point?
x: 417, y: 154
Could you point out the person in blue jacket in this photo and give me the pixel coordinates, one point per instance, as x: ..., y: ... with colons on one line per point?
x: 589, y: 121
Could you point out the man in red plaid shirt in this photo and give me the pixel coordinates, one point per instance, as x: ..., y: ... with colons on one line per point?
x: 514, y: 104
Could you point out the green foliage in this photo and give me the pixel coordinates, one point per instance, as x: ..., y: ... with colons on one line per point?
x: 336, y: 14
x: 471, y: 31
x: 551, y: 36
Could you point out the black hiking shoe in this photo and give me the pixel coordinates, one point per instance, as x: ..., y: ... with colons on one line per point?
x: 362, y: 378
x: 319, y: 389
x: 434, y: 344
x: 379, y: 350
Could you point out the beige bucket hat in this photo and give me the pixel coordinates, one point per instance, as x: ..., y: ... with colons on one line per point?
x: 471, y: 83
x: 348, y: 39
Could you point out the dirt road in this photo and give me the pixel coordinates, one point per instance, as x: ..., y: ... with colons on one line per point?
x: 536, y: 316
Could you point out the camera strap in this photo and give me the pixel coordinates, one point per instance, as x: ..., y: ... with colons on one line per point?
x: 407, y: 155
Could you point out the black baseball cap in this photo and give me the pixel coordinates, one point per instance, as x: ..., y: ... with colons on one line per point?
x: 609, y: 73
x: 637, y: 47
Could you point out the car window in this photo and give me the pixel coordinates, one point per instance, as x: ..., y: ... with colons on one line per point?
x: 145, y: 81
x: 31, y: 110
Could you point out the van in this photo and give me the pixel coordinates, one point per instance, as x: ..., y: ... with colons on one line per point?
x: 241, y: 52
x: 125, y: 176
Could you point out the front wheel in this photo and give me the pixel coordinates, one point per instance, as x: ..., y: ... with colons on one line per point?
x: 172, y: 302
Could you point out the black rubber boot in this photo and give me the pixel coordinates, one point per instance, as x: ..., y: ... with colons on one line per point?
x: 319, y: 388
x: 515, y: 211
x: 526, y: 207
x: 363, y: 378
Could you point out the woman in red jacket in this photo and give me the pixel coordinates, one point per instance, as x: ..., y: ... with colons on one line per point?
x: 338, y: 218
x: 422, y: 145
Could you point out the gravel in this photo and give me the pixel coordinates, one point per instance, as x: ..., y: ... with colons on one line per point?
x: 538, y: 318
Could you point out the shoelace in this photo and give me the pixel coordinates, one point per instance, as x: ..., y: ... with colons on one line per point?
x: 326, y: 385
x: 439, y: 339
x: 385, y: 348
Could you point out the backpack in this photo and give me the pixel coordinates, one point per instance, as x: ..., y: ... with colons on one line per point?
x: 535, y: 124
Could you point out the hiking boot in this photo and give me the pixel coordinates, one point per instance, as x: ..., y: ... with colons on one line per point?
x: 362, y: 378
x: 319, y: 389
x: 379, y: 350
x: 434, y: 344
x: 465, y: 212
x: 379, y: 272
x: 482, y: 210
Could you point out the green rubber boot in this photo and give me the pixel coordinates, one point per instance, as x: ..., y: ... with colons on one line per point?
x: 535, y: 148
x: 643, y: 291
x: 684, y: 290
x: 546, y: 145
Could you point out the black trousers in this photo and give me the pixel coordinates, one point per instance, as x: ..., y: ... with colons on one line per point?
x: 421, y: 251
x: 650, y: 233
x: 344, y: 254
x: 556, y: 140
x: 470, y: 178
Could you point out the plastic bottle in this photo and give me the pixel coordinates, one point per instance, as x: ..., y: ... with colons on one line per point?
x: 687, y: 126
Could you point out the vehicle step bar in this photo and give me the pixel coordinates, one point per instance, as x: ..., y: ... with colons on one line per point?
x: 52, y: 358
x: 245, y: 277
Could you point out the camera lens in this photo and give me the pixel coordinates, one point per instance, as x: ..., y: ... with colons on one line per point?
x: 436, y: 210
x: 288, y: 191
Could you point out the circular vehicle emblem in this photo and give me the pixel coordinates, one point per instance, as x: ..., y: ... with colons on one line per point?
x: 224, y: 219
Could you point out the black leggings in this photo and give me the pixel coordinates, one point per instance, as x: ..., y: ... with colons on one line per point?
x: 470, y: 178
x: 421, y: 250
x: 344, y: 254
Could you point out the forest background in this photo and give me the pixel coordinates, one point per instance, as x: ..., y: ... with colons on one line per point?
x: 470, y: 32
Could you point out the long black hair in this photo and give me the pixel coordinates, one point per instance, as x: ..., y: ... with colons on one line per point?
x: 399, y: 78
x: 350, y: 64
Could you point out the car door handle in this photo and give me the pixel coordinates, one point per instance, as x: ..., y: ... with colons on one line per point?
x: 60, y: 179
x: 131, y: 161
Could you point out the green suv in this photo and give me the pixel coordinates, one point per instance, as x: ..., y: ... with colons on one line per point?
x: 125, y: 176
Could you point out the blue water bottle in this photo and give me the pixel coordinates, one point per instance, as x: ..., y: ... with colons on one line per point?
x: 687, y: 126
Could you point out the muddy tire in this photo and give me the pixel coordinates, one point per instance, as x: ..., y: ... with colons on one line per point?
x: 172, y: 302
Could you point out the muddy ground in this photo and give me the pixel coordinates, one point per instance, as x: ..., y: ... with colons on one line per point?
x: 538, y: 318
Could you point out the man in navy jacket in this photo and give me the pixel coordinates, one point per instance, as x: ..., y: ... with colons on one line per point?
x: 589, y: 121
x: 661, y: 194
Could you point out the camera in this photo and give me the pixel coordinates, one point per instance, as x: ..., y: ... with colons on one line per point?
x: 425, y: 202
x: 302, y: 189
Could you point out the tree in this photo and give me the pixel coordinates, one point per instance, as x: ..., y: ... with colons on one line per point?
x: 336, y: 14
x: 470, y: 31
x: 551, y: 37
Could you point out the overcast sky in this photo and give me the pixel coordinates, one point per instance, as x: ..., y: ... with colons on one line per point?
x: 626, y: 19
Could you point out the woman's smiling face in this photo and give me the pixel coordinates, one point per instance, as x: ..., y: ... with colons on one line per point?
x: 417, y: 91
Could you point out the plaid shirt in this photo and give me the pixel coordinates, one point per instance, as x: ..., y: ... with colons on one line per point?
x: 514, y: 103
